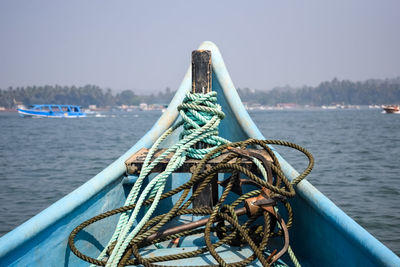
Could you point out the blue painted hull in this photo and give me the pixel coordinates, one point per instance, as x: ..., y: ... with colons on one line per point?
x: 322, y: 234
x: 29, y: 113
x: 37, y: 112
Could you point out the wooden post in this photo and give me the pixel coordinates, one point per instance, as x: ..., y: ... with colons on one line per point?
x: 201, y: 84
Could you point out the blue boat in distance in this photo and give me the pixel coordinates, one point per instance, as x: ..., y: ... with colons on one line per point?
x: 52, y: 111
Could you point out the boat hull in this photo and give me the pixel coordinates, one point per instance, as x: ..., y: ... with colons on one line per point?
x: 391, y: 109
x: 52, y: 111
x: 322, y: 234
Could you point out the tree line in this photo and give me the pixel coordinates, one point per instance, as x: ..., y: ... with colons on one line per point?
x: 373, y: 91
x: 82, y: 96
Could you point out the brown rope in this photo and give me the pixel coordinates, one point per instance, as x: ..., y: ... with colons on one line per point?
x: 255, y: 236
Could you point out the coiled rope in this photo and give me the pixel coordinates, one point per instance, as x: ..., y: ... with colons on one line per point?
x: 200, y: 119
x: 255, y: 236
x: 201, y: 116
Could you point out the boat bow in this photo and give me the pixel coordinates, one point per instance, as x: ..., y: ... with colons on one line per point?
x: 322, y: 233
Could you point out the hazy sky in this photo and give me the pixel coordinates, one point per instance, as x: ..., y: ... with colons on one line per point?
x: 146, y: 45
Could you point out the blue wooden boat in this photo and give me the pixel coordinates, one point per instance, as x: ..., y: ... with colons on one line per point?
x: 52, y: 111
x: 322, y: 234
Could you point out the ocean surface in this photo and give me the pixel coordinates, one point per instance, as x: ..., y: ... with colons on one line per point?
x: 357, y: 156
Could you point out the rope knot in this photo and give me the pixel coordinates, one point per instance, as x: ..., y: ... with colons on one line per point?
x: 201, y: 113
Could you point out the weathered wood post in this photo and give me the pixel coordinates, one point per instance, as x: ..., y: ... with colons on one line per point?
x: 201, y: 84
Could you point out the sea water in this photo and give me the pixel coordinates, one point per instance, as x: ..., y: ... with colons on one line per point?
x: 357, y: 159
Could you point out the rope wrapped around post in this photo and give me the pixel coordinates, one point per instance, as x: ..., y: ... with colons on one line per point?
x: 201, y: 116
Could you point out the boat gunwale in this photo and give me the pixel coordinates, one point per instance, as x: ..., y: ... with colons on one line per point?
x: 319, y: 202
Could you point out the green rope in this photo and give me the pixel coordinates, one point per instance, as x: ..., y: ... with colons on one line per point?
x: 200, y: 119
x: 196, y: 111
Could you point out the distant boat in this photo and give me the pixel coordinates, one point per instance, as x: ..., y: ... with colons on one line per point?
x: 391, y: 109
x: 52, y: 111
